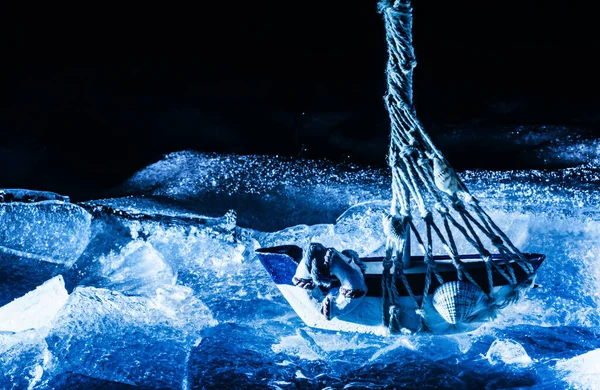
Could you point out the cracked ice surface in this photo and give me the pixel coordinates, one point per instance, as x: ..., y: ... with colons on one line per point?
x: 165, y: 291
x: 36, y: 309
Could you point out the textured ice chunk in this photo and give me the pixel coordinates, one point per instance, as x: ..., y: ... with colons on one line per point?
x: 135, y: 252
x: 51, y: 231
x: 583, y: 371
x: 138, y: 269
x: 508, y: 352
x: 296, y: 345
x: 302, y: 236
x: 38, y: 241
x: 24, y: 195
x: 231, y: 356
x: 188, y: 174
x: 23, y: 358
x: 36, y: 309
x: 128, y: 339
x: 268, y: 192
x: 360, y: 228
x: 241, y: 293
x: 198, y: 248
x: 183, y: 240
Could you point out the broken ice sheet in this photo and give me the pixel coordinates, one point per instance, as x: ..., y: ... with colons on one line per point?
x: 182, y: 240
x: 194, y: 248
x: 134, y: 340
x: 136, y: 253
x: 232, y: 356
x: 508, y: 352
x: 38, y: 241
x: 36, y: 309
x: 25, y: 195
x: 138, y: 269
x: 360, y: 228
x: 23, y: 357
x: 582, y: 371
x: 51, y: 231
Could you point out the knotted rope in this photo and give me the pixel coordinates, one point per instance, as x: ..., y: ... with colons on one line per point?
x: 422, y: 178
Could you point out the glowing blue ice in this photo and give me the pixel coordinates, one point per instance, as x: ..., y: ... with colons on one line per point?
x: 164, y: 289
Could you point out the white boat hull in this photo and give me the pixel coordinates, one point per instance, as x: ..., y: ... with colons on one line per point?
x: 368, y: 315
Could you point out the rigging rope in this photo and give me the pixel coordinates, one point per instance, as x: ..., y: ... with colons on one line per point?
x: 422, y: 178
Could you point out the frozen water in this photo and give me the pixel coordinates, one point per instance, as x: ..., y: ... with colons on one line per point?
x: 38, y: 240
x: 269, y: 193
x: 23, y: 357
x: 583, y: 371
x: 36, y: 309
x: 133, y: 340
x: 507, y: 352
x: 165, y: 290
x: 138, y: 269
x: 49, y: 231
x: 23, y: 195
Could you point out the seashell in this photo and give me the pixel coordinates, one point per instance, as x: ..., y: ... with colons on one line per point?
x: 444, y: 177
x: 394, y: 227
x: 456, y: 300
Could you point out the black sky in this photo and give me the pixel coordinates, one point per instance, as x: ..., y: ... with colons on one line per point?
x: 97, y: 92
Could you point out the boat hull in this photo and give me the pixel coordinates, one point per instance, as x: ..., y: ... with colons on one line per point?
x: 281, y: 263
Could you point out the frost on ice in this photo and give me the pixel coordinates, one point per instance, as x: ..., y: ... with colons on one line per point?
x: 162, y: 294
x: 23, y: 357
x: 107, y: 335
x: 38, y: 241
x: 583, y: 371
x: 508, y: 352
x: 36, y: 309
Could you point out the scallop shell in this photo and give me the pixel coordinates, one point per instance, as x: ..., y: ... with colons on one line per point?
x: 444, y: 177
x: 456, y: 300
x: 394, y: 227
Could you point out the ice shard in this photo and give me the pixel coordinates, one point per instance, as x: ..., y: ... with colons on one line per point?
x: 23, y: 358
x: 38, y: 240
x: 36, y: 309
x: 133, y: 340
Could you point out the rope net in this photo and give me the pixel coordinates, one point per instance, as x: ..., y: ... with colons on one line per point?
x: 424, y: 182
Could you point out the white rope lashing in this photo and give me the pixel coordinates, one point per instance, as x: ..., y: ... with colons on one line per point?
x: 421, y: 177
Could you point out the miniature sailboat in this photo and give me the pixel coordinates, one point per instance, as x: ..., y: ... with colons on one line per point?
x: 453, y: 292
x: 283, y: 262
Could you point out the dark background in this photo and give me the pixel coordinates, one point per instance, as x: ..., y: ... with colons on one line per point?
x: 92, y: 94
